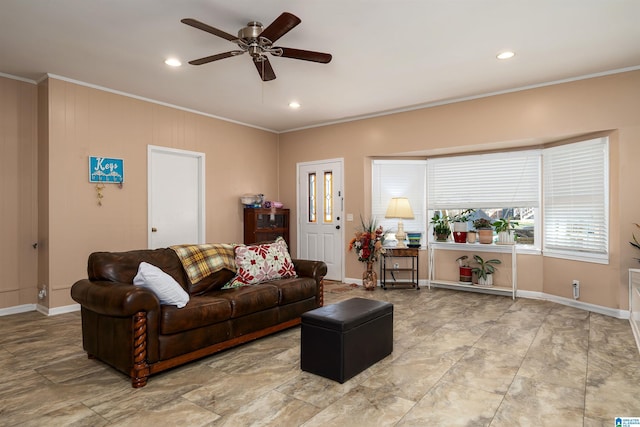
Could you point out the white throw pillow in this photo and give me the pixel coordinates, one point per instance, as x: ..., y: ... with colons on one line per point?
x: 160, y: 283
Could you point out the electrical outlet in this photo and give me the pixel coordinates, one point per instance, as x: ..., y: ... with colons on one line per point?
x: 576, y: 289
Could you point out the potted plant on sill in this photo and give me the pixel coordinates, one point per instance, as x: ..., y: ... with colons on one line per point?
x: 484, y: 271
x: 505, y: 229
x: 441, y: 227
x: 465, y: 270
x: 485, y: 232
x: 459, y: 221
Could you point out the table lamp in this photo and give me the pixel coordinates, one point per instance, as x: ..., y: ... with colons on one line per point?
x: 400, y: 208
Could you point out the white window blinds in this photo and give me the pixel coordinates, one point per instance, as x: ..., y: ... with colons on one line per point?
x: 576, y: 205
x: 498, y: 180
x: 399, y: 178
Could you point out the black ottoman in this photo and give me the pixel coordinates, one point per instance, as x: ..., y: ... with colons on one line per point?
x: 341, y: 340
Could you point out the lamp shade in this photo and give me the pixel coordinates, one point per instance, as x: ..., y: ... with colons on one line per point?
x: 399, y: 207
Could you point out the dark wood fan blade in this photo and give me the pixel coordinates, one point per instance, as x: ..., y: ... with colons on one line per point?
x: 265, y: 70
x: 281, y: 26
x: 306, y: 55
x: 209, y: 29
x: 212, y: 58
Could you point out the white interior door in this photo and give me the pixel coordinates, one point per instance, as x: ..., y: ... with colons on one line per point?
x: 320, y: 214
x: 176, y: 197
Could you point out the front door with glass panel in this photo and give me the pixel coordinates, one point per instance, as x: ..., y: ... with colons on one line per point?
x: 320, y: 214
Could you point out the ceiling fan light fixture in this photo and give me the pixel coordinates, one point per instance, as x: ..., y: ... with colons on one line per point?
x: 507, y: 54
x: 251, y: 31
x: 173, y: 62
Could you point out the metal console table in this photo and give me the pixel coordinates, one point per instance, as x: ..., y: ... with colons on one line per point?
x: 473, y: 247
x: 396, y: 274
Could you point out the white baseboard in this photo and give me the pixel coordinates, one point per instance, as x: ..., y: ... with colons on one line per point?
x: 40, y: 309
x: 607, y: 311
x: 17, y: 309
x: 57, y: 310
x: 612, y: 312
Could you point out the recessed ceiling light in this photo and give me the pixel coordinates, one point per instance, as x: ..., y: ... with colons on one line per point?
x: 294, y: 104
x: 506, y: 55
x: 173, y: 62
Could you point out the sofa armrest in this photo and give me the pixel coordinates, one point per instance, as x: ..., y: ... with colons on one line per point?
x: 308, y: 268
x: 315, y: 269
x: 113, y: 298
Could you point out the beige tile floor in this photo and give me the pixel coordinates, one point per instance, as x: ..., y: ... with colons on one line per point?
x: 459, y: 359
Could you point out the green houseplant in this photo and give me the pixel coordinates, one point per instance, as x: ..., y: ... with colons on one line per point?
x: 460, y: 229
x: 484, y: 270
x: 504, y: 227
x: 441, y: 227
x: 462, y: 217
x: 485, y: 232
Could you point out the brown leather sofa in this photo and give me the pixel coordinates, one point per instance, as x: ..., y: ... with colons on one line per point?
x: 126, y: 327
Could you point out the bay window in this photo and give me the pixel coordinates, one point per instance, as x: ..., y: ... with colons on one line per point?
x: 557, y: 195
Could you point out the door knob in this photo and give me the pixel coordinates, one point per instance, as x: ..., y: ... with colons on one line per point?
x: 153, y: 229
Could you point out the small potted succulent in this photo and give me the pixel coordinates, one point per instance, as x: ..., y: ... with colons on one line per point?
x: 485, y: 232
x: 471, y: 236
x: 505, y: 229
x: 484, y: 270
x: 441, y: 227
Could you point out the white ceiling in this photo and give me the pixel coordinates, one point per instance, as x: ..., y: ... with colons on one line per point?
x: 388, y: 55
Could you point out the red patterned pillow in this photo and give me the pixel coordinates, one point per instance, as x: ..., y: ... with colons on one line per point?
x: 261, y: 263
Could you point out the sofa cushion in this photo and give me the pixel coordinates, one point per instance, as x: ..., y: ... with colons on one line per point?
x: 161, y: 284
x: 295, y: 289
x: 263, y: 262
x: 201, y: 311
x: 250, y: 299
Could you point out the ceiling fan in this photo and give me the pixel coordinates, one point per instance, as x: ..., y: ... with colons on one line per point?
x: 258, y: 41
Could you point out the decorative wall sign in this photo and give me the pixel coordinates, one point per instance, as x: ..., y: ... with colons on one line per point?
x: 106, y: 170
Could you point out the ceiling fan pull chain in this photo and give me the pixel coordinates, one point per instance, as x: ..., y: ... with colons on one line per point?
x: 262, y: 83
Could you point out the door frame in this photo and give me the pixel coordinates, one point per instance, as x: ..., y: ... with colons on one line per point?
x: 339, y: 160
x: 201, y: 187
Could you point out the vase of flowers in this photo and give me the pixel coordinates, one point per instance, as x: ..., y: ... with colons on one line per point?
x: 369, y: 278
x: 367, y: 245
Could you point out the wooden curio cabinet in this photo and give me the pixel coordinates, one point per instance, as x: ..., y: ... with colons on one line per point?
x: 263, y: 225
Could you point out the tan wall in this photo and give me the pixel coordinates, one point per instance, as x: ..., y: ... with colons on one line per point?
x: 75, y: 121
x: 85, y: 122
x: 525, y: 118
x: 18, y: 192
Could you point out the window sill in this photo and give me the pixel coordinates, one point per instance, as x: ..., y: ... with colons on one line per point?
x: 576, y: 256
